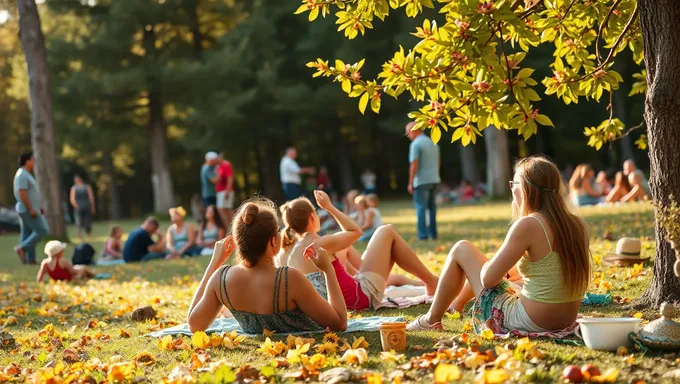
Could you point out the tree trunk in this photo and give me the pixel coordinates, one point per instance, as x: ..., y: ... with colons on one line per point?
x: 161, y: 179
x: 115, y: 204
x: 497, y: 162
x: 468, y: 163
x: 662, y: 60
x: 197, y: 36
x: 42, y: 136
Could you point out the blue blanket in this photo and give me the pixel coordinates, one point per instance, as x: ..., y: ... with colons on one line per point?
x: 366, y: 324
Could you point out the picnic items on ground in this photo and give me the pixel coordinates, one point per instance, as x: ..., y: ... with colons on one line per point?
x: 607, y: 334
x: 661, y: 334
x: 393, y: 336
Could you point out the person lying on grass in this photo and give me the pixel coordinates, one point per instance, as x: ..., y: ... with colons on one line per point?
x: 259, y: 295
x: 364, y: 286
x: 58, y: 268
x: 555, y: 266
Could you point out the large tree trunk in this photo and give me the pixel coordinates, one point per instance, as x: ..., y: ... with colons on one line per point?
x: 658, y: 19
x: 42, y: 137
x: 115, y: 203
x: 468, y: 163
x: 161, y: 179
x: 497, y: 162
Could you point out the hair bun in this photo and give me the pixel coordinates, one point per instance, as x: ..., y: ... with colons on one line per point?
x: 250, y: 212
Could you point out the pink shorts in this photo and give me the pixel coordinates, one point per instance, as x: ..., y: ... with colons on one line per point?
x: 355, y: 298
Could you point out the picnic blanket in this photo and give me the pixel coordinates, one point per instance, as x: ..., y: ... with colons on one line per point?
x: 365, y: 324
x: 404, y: 297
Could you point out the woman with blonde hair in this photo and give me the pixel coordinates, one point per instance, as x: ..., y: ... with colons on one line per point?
x: 555, y: 268
x: 181, y: 236
x: 364, y: 287
x: 245, y: 289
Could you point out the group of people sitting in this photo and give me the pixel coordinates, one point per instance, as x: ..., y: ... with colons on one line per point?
x: 629, y: 185
x: 148, y: 242
x: 533, y: 284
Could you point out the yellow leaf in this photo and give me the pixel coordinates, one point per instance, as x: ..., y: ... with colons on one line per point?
x: 609, y: 376
x: 355, y: 356
x: 215, y: 340
x: 200, y: 340
x: 487, y: 334
x: 391, y: 356
x: 119, y: 372
x: 347, y: 86
x: 145, y: 359
x: 493, y: 376
x: 314, y: 14
x: 301, y: 9
x: 125, y: 334
x: 363, y: 102
x: 267, y: 333
x: 638, y: 315
x: 445, y: 373
x: 467, y: 327
x: 359, y: 343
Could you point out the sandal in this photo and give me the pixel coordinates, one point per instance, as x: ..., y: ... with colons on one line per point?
x: 420, y: 324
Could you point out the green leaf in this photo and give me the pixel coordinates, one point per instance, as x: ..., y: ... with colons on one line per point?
x: 544, y: 120
x: 363, y: 102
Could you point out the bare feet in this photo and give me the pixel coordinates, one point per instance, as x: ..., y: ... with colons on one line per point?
x: 431, y: 286
x: 21, y: 253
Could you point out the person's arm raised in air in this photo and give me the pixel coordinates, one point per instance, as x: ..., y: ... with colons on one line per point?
x: 328, y: 314
x: 350, y: 230
x: 516, y: 243
x: 205, y: 305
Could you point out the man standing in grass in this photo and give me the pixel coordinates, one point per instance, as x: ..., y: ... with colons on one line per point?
x: 33, y: 224
x: 291, y: 179
x: 423, y: 180
x: 225, y: 190
x: 209, y: 179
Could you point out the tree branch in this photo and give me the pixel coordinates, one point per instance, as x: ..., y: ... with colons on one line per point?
x: 630, y: 130
x: 510, y: 77
x: 602, y: 26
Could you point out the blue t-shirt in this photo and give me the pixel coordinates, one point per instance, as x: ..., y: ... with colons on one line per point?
x: 24, y: 180
x: 427, y: 154
x: 137, y: 245
x: 207, y: 187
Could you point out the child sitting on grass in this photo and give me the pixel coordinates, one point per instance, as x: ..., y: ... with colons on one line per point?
x: 58, y: 268
x: 113, y: 247
x: 547, y: 244
x: 371, y: 219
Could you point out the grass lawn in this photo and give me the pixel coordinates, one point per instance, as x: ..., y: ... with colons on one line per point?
x: 91, y: 320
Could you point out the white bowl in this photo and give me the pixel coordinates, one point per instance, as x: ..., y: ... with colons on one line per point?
x: 607, y: 334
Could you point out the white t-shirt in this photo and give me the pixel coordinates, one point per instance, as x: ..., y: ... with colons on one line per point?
x: 369, y: 180
x: 290, y: 171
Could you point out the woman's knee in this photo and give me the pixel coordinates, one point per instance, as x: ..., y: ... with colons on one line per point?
x: 460, y: 248
x: 386, y: 229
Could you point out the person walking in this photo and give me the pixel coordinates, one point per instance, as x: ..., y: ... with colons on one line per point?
x: 82, y: 201
x: 423, y: 180
x: 209, y: 179
x: 290, y: 175
x: 225, y: 190
x: 33, y: 224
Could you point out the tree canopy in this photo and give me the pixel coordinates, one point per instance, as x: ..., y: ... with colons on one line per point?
x: 469, y: 69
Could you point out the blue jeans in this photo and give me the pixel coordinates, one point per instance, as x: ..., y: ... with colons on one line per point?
x: 32, y: 230
x: 154, y: 256
x: 208, y: 201
x: 423, y: 198
x: 292, y: 191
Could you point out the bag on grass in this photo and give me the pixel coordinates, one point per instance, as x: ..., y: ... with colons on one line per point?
x: 83, y: 254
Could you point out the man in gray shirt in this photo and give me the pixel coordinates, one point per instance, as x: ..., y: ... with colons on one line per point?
x: 423, y: 180
x: 33, y: 224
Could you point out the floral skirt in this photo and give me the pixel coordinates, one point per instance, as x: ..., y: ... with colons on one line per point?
x: 496, y: 305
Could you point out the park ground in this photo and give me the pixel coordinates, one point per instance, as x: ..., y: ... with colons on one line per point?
x: 56, y: 327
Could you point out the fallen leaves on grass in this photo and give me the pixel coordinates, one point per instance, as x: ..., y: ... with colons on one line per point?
x: 445, y: 373
x: 200, y: 340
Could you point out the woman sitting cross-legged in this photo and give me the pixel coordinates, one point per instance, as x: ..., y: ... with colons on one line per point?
x: 555, y: 267
x: 259, y: 295
x: 364, y: 287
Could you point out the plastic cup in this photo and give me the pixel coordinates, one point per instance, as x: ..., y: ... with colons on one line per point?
x: 393, y: 336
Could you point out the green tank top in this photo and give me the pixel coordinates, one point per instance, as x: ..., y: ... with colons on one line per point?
x: 543, y: 281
